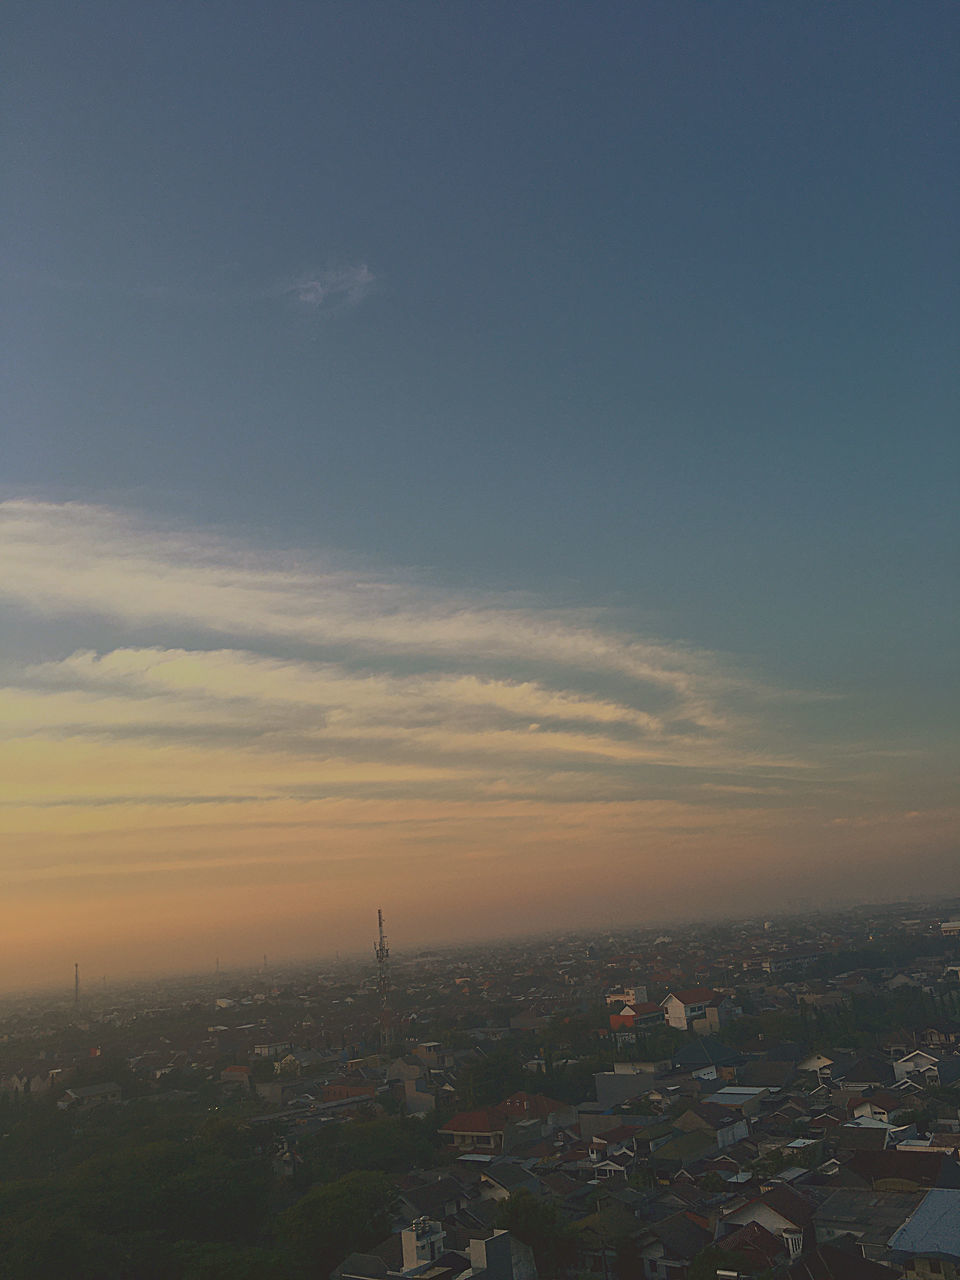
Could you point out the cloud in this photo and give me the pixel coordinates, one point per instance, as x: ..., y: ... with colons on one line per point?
x: 208, y: 719
x: 69, y: 558
x: 389, y: 665
x: 394, y: 682
x: 332, y: 289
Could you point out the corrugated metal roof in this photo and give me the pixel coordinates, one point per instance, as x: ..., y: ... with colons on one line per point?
x: 934, y: 1228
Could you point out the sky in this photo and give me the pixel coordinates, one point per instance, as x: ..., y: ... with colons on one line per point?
x: 493, y: 462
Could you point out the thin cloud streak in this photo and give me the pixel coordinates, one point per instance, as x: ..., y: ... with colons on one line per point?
x: 677, y: 708
x: 76, y: 559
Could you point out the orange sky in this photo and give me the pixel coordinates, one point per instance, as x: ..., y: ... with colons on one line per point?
x: 252, y: 758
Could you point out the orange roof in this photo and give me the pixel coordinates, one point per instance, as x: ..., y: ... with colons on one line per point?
x: 695, y: 995
x: 487, y: 1120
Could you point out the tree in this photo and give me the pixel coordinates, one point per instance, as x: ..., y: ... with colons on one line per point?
x: 336, y: 1219
x: 230, y: 1262
x: 490, y: 1080
x: 538, y: 1223
x: 390, y: 1144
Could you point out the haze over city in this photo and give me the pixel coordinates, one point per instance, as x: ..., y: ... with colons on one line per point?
x: 493, y: 462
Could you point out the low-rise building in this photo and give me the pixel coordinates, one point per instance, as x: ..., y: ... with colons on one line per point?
x: 698, y: 1009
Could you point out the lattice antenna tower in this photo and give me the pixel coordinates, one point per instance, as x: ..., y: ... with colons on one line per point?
x: 382, y: 953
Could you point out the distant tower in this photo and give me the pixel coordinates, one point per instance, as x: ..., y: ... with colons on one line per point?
x: 76, y: 986
x: 382, y: 953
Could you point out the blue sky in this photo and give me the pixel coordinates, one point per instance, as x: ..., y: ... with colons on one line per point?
x: 625, y: 316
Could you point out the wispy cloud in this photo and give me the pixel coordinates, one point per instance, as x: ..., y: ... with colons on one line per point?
x: 73, y: 559
x: 396, y: 682
x: 331, y: 289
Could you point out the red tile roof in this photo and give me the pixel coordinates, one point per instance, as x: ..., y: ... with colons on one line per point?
x: 695, y: 995
x: 487, y: 1120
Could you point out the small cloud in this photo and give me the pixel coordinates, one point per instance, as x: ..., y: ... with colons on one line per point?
x: 330, y: 290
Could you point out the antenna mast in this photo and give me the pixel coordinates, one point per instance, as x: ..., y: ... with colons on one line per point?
x: 76, y: 985
x: 382, y: 953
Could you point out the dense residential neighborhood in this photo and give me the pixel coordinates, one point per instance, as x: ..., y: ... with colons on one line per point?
x: 755, y: 1099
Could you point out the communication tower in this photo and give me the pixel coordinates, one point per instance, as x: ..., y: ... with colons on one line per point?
x: 382, y: 953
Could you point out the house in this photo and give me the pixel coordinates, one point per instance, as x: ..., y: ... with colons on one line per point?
x: 819, y: 1063
x: 828, y: 1262
x: 274, y: 1050
x: 27, y: 1081
x: 236, y: 1077
x: 638, y: 1017
x: 668, y: 1247
x: 341, y: 1090
x: 434, y: 1056
x: 870, y: 1071
x: 948, y: 1071
x: 86, y: 1097
x: 928, y: 1243
x: 441, y: 1198
x: 939, y: 1035
x: 743, y: 1101
x: 536, y: 1106
x: 488, y: 1131
x: 423, y: 1253
x: 725, y: 1128
x: 626, y: 995
x: 683, y: 1151
x: 624, y: 1083
x: 616, y: 1163
x: 708, y: 1058
x: 698, y: 1009
x: 502, y: 1178
x: 865, y: 1134
x: 760, y: 1249
x: 783, y: 1212
x: 882, y: 1105
x: 501, y: 1257
x: 919, y: 1064
x: 866, y: 1218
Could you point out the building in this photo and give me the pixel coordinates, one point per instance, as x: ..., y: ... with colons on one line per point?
x: 626, y: 995
x: 86, y: 1097
x: 928, y: 1243
x: 488, y: 1131
x: 698, y: 1009
x: 638, y: 1017
x: 783, y: 1213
